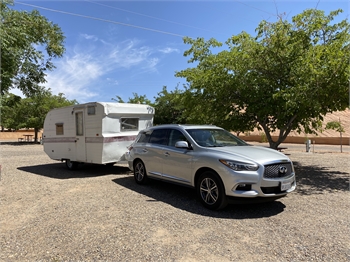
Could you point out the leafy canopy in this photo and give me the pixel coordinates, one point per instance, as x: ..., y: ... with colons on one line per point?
x: 28, y: 44
x: 169, y: 107
x: 336, y: 125
x: 285, y: 78
x: 137, y: 99
x: 17, y: 112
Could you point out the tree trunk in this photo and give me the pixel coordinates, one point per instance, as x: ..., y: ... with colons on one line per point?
x: 36, y: 130
x: 273, y: 144
x: 281, y: 137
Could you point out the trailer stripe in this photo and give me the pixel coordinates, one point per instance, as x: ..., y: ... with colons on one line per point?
x: 109, y: 139
x: 89, y: 139
x: 59, y: 140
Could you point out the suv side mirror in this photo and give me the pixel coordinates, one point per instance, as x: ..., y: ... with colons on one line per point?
x: 181, y: 144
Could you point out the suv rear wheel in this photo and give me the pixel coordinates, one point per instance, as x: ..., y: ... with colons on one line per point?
x: 140, y: 173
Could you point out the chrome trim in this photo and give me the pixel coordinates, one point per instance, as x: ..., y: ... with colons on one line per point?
x: 169, y: 177
x: 176, y: 178
x: 155, y: 174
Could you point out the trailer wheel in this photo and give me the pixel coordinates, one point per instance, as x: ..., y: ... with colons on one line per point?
x: 140, y: 173
x: 71, y: 165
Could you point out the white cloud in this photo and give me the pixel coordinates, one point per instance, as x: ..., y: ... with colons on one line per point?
x: 169, y: 50
x: 89, y: 37
x: 112, y: 81
x: 128, y: 54
x: 152, y: 65
x: 77, y: 74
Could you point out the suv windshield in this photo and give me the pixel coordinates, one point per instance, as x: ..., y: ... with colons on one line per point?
x: 215, y: 138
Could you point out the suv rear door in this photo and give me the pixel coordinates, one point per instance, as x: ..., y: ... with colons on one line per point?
x: 152, y: 152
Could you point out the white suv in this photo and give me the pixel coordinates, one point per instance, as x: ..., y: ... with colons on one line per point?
x: 223, y: 168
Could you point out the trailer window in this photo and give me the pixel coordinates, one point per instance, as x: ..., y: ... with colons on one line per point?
x: 129, y: 124
x: 91, y: 110
x: 59, y: 129
x: 79, y: 123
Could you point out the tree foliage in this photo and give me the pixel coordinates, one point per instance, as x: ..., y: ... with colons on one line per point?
x: 285, y: 78
x: 335, y: 125
x: 28, y: 43
x: 169, y: 107
x: 30, y: 112
x: 8, y: 101
x: 137, y: 99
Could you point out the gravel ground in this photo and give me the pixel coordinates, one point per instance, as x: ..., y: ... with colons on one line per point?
x: 98, y: 213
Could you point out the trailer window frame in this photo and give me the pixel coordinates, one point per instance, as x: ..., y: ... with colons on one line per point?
x: 79, y: 123
x: 59, y: 129
x: 129, y: 124
x: 91, y: 110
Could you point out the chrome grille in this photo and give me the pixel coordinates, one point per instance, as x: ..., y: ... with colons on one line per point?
x: 277, y: 170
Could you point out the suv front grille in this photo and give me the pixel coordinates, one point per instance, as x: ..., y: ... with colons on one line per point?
x: 278, y: 170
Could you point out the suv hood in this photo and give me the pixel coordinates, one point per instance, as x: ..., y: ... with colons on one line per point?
x: 253, y: 153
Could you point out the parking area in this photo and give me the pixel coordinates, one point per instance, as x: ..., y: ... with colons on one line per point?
x: 99, y: 213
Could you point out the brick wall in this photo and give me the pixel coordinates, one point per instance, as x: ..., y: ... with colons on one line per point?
x: 13, y: 136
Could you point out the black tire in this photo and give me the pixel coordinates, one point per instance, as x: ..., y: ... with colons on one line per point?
x: 140, y: 174
x: 211, y: 191
x: 71, y: 165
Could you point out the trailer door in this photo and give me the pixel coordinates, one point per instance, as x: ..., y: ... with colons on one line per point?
x: 80, y: 136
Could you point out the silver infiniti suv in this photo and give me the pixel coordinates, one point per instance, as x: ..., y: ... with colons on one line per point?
x: 221, y: 167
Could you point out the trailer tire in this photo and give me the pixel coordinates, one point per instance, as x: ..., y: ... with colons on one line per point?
x: 71, y: 165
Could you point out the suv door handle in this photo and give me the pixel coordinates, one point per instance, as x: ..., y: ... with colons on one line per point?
x: 166, y: 154
x: 144, y: 150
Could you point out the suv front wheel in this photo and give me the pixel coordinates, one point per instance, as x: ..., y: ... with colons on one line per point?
x: 211, y: 191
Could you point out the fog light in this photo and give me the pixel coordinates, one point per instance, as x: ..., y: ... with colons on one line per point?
x: 244, y: 187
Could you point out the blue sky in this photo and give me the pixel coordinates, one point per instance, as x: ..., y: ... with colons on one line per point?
x: 117, y: 48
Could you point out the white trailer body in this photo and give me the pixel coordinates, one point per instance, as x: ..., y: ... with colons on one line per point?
x: 95, y: 132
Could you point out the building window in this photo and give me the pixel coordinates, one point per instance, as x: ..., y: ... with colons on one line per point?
x: 129, y: 124
x: 59, y: 129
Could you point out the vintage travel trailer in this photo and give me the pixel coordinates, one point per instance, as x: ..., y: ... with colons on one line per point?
x: 94, y: 132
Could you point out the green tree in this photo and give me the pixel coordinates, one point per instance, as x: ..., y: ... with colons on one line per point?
x: 7, y: 115
x: 28, y: 43
x: 285, y: 78
x: 31, y: 112
x: 169, y: 107
x: 337, y: 126
x: 137, y: 99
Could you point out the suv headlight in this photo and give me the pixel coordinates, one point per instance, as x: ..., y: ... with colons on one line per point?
x: 239, y: 166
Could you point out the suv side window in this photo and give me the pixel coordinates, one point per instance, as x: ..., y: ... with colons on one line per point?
x: 159, y: 136
x: 144, y: 137
x: 175, y: 136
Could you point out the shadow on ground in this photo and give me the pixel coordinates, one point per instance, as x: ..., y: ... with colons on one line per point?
x: 310, y: 180
x: 185, y: 198
x: 318, y: 180
x: 60, y: 171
